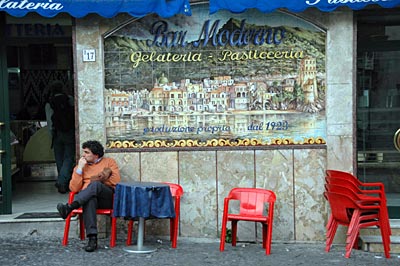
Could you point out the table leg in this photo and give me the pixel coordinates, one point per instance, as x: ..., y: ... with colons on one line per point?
x: 140, y: 248
x: 140, y: 234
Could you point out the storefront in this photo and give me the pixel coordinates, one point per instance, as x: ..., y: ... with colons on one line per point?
x: 219, y: 96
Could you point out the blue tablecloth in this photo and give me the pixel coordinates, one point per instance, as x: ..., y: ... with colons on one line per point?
x: 143, y: 199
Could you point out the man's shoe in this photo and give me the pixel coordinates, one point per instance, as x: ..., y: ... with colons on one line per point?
x: 64, y: 210
x: 92, y: 244
x: 62, y: 189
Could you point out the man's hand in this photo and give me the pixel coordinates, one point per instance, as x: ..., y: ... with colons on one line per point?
x: 97, y: 177
x: 102, y: 176
x: 81, y: 163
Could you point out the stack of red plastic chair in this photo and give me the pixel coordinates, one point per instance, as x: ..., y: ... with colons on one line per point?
x: 361, y: 199
x: 376, y: 190
x: 252, y: 209
x: 177, y: 192
x: 356, y: 208
x: 360, y: 216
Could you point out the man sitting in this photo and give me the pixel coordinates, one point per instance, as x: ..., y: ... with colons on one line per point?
x: 94, y: 178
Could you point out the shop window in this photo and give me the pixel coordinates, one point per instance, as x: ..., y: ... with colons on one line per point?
x: 378, y: 100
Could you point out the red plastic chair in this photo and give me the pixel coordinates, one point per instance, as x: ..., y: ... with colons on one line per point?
x: 376, y: 188
x: 177, y: 192
x: 361, y: 199
x: 355, y: 180
x: 252, y: 208
x: 361, y: 216
x: 370, y: 194
x: 375, y: 194
x: 79, y: 212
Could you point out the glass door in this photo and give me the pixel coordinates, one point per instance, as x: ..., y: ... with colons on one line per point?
x: 378, y: 101
x: 5, y: 154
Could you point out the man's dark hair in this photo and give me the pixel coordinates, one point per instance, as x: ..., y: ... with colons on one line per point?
x: 94, y: 146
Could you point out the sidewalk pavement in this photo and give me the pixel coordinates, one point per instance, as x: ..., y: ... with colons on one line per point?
x: 42, y: 250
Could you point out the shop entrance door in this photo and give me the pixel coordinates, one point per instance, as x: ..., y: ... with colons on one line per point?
x: 5, y: 162
x: 29, y: 62
x: 378, y: 101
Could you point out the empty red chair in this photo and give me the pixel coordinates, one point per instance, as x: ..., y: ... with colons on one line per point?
x: 79, y: 212
x: 177, y: 192
x: 359, y: 217
x: 253, y: 208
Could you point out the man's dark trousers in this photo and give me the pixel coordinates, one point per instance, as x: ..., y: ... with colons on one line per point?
x: 95, y: 196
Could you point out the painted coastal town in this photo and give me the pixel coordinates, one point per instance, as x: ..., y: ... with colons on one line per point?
x: 221, y: 107
x: 201, y: 88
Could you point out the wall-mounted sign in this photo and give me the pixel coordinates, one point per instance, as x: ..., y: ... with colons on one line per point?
x: 215, y: 80
x: 89, y: 55
x: 37, y: 30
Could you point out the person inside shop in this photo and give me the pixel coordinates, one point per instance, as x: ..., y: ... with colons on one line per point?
x: 61, y: 124
x: 94, y: 178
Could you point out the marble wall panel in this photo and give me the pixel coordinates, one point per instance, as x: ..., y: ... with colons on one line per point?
x: 310, y: 206
x: 89, y: 34
x: 341, y: 154
x: 340, y: 112
x: 89, y: 81
x: 235, y: 169
x: 90, y: 131
x: 274, y: 171
x: 341, y: 87
x: 197, y: 176
x: 339, y: 48
x: 91, y: 111
x: 129, y: 165
x: 159, y: 166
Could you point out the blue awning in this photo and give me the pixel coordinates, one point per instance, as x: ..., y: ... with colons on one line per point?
x: 238, y: 6
x: 104, y: 8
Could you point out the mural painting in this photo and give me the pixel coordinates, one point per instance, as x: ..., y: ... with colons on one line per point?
x: 216, y: 80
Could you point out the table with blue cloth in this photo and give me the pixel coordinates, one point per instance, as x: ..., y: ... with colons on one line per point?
x: 143, y: 200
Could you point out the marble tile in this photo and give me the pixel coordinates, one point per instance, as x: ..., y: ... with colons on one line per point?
x: 310, y: 206
x: 90, y: 77
x: 91, y: 112
x: 340, y: 153
x: 340, y: 37
x: 340, y: 106
x: 235, y: 169
x: 129, y: 165
x: 91, y: 132
x: 274, y: 171
x: 197, y: 176
x: 159, y: 166
x: 91, y: 40
x: 340, y: 129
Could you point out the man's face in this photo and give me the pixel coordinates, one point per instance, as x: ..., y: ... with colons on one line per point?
x: 89, y: 156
